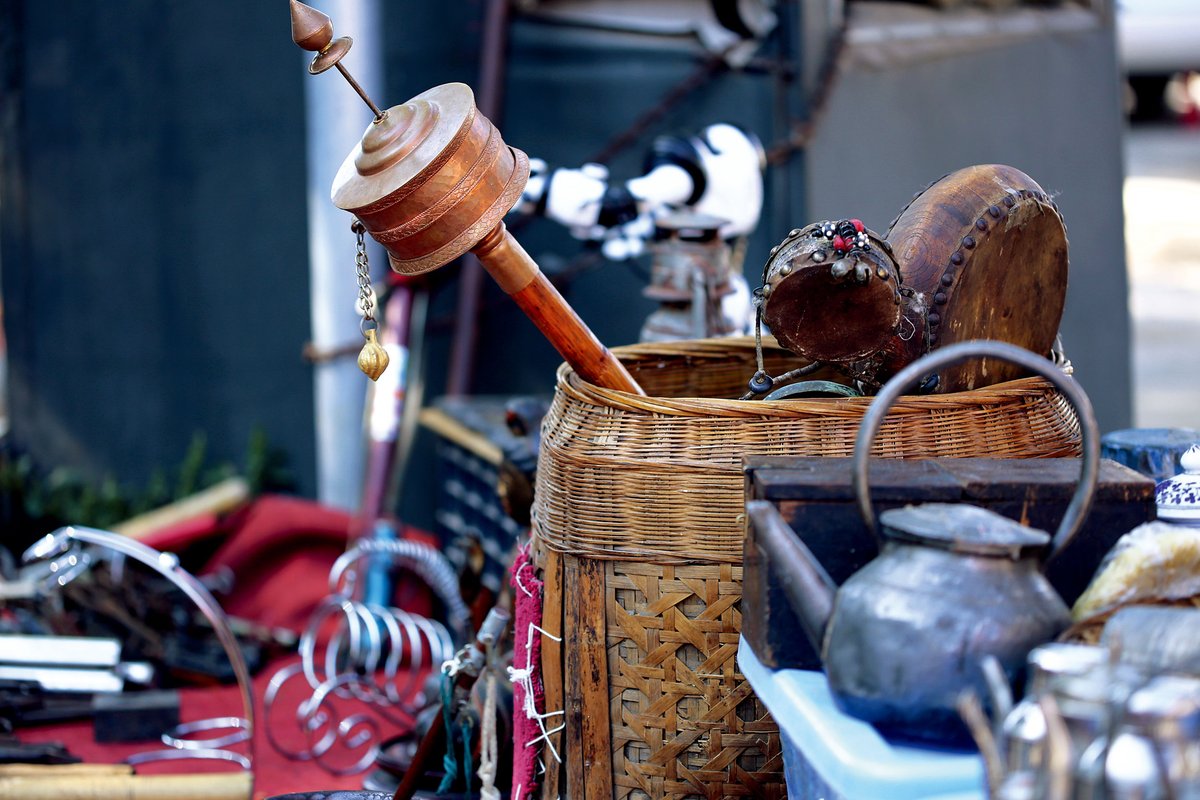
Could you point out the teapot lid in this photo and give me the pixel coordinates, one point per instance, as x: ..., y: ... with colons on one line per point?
x: 1178, y: 498
x: 962, y: 528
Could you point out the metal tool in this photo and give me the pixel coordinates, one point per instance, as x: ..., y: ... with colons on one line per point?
x: 65, y: 557
x: 431, y: 180
x: 14, y: 752
x: 69, y: 663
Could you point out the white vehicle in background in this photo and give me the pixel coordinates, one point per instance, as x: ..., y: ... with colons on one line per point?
x: 1156, y: 40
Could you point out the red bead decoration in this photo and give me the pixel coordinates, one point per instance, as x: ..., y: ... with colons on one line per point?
x: 858, y: 226
x: 839, y: 243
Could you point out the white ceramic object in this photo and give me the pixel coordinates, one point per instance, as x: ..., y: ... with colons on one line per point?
x: 1178, y: 498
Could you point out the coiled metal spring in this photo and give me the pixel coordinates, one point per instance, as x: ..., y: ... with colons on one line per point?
x: 362, y: 666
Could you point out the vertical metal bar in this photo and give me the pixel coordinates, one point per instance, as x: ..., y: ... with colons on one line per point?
x: 335, y: 120
x: 386, y: 406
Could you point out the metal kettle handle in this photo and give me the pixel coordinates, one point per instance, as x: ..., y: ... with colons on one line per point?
x: 953, y: 354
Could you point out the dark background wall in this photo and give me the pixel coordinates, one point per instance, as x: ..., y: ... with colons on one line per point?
x: 568, y: 91
x: 154, y: 259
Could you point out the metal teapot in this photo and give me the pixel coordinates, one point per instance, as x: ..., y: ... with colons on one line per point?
x: 953, y: 583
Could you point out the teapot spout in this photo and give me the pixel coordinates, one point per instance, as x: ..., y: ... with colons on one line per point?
x: 808, y: 587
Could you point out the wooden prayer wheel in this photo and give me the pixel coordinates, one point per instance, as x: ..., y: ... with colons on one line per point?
x: 432, y: 179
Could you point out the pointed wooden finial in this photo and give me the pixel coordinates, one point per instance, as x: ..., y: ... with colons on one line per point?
x: 313, y: 31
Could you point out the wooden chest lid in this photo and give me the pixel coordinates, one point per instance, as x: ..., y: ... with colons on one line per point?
x: 893, y: 480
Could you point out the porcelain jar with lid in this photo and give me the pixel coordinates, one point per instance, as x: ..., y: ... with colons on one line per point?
x: 1178, y: 498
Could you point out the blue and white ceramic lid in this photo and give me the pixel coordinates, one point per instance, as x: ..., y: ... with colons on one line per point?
x: 1178, y: 498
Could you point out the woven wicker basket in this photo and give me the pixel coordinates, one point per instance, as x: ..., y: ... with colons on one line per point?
x: 639, y: 519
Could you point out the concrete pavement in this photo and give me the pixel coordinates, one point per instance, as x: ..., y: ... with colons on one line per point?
x: 1162, y: 233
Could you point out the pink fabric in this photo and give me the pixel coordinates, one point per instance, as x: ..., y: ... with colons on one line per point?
x: 527, y: 650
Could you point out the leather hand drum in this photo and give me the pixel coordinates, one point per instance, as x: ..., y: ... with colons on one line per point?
x: 979, y: 254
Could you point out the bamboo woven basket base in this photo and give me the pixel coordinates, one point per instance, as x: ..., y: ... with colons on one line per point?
x: 685, y: 723
x: 645, y: 495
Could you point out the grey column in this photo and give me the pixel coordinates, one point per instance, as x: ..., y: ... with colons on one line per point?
x: 335, y: 119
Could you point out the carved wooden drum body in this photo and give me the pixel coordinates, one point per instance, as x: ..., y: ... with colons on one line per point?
x: 988, y: 249
x: 979, y: 254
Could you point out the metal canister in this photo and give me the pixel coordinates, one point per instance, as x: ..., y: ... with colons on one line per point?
x: 1090, y: 704
x: 1023, y: 731
x: 1156, y: 752
x: 1018, y: 786
x: 1154, y: 452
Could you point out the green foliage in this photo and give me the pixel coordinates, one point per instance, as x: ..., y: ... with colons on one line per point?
x: 34, y: 502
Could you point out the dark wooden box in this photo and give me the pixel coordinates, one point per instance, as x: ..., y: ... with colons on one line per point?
x: 815, y: 497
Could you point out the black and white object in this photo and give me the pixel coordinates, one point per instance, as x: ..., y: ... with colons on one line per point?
x: 718, y: 173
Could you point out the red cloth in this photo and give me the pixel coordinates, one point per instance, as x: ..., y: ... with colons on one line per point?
x: 280, y: 550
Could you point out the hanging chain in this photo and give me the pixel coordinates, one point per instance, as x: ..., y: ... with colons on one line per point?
x: 366, y: 297
x: 373, y: 358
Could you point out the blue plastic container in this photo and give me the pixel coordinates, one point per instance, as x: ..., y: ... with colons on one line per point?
x: 828, y: 755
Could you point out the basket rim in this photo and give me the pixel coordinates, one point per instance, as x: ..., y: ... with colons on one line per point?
x: 571, y: 384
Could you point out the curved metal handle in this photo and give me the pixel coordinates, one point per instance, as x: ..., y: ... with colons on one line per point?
x: 948, y: 356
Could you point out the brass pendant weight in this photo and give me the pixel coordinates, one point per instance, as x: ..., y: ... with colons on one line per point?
x: 372, y: 359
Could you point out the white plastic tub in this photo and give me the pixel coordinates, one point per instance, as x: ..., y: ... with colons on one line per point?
x: 828, y: 755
